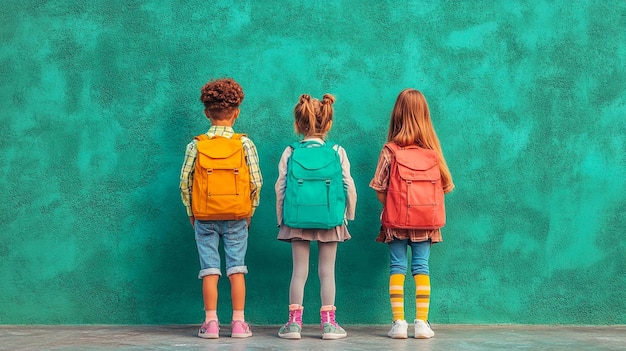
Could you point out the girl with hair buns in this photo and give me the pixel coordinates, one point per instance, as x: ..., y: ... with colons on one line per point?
x: 313, y: 120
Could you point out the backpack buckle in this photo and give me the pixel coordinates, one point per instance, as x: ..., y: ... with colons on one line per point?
x: 328, y: 182
x: 209, y: 171
x: 300, y: 181
x: 236, y: 170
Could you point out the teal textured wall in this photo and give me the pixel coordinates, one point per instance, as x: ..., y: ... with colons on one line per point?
x: 98, y: 100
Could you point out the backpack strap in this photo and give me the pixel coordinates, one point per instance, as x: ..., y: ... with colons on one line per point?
x: 206, y: 137
x: 393, y: 147
x: 201, y: 137
x: 304, y: 144
x: 294, y: 145
x: 300, y: 144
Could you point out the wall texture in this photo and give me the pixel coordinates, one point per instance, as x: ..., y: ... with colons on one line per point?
x: 98, y: 100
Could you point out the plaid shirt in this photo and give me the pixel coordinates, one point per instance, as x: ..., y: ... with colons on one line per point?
x: 252, y: 159
x: 380, y: 183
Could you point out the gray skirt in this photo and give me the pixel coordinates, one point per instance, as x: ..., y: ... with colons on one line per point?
x: 338, y: 234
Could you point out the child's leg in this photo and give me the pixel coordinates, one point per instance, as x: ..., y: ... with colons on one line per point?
x: 239, y: 328
x: 300, y: 253
x: 422, y: 296
x: 207, y: 242
x: 238, y: 294
x: 300, y: 256
x: 420, y: 252
x: 396, y: 296
x: 210, y: 328
x: 209, y: 295
x: 235, y: 236
x: 397, y: 271
x: 327, y: 253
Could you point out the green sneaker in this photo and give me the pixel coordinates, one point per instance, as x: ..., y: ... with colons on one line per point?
x: 291, y: 330
x: 293, y: 327
x: 330, y: 329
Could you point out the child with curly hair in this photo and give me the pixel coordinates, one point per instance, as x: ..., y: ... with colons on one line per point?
x: 221, y: 99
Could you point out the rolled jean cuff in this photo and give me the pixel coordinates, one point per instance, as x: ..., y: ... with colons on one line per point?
x: 420, y: 271
x: 209, y: 271
x: 397, y: 270
x: 237, y: 269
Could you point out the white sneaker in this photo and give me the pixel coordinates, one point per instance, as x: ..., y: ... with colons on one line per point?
x: 398, y: 329
x: 423, y: 330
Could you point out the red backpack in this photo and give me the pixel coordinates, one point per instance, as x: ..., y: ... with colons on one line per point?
x: 415, y: 193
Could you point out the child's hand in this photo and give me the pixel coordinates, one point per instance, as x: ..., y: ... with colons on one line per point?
x: 248, y: 221
x: 382, y: 197
x: 192, y: 220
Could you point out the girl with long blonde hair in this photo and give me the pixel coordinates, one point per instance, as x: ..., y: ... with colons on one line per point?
x: 410, y: 125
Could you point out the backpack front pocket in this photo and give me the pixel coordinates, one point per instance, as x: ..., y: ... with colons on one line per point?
x: 313, y: 203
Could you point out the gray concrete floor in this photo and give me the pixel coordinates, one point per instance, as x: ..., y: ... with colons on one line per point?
x: 182, y: 337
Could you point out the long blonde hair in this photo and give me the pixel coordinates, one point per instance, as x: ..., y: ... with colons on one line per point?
x: 411, y: 124
x: 312, y: 117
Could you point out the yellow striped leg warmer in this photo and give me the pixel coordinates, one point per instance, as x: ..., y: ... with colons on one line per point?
x: 422, y: 296
x: 396, y: 295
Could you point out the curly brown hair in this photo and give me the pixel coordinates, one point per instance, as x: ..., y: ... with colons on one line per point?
x: 221, y: 96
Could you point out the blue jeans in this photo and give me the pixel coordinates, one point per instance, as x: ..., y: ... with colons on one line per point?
x: 235, y: 237
x: 420, y: 251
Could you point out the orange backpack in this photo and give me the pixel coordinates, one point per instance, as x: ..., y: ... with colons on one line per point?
x: 221, y: 179
x: 415, y: 193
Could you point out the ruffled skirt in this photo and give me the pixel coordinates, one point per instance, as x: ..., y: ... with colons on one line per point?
x: 338, y: 234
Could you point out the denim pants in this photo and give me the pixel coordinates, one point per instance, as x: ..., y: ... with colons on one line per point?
x: 235, y: 237
x: 420, y: 251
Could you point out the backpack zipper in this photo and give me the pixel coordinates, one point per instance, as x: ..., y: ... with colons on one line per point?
x: 208, y: 190
x: 328, y: 194
x: 408, y: 204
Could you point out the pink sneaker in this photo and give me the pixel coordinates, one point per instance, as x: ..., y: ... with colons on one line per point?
x: 209, y: 330
x: 241, y: 329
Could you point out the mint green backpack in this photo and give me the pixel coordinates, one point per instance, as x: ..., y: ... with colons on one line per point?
x: 314, y: 194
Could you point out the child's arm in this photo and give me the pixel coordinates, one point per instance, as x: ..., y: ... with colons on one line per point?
x: 281, y: 184
x: 256, y: 179
x: 380, y: 180
x: 186, y: 178
x: 348, y: 185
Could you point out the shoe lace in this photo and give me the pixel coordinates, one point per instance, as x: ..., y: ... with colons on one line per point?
x: 423, y: 324
x: 330, y: 318
x: 397, y: 325
x: 295, y: 316
x: 243, y: 325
